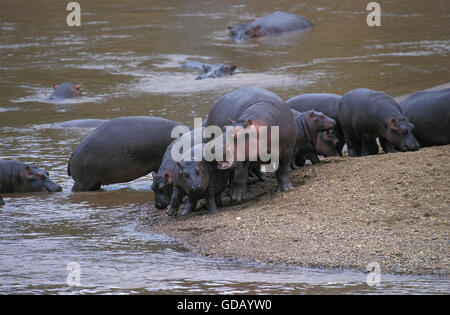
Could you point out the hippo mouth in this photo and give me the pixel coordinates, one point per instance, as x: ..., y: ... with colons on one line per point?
x: 226, y: 165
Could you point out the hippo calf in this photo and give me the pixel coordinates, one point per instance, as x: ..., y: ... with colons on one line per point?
x: 217, y: 70
x: 66, y: 90
x: 308, y: 125
x: 325, y: 143
x: 254, y: 109
x: 366, y: 115
x: 197, y: 180
x: 120, y: 150
x: 272, y: 24
x: 20, y: 177
x: 326, y: 103
x: 429, y: 112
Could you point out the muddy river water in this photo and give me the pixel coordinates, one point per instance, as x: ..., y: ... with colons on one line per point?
x: 127, y: 56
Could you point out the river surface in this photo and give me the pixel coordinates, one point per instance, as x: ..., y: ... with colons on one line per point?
x: 127, y: 55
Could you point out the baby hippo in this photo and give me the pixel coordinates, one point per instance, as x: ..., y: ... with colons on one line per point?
x: 197, y: 180
x: 326, y: 143
x: 308, y: 125
x: 20, y: 177
x: 66, y: 90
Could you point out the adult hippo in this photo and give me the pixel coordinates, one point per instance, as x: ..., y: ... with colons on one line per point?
x: 326, y: 103
x: 120, y: 150
x: 365, y: 115
x: 429, y: 111
x: 20, y: 177
x: 248, y: 109
x: 272, y: 24
x: 66, y: 90
x: 213, y: 71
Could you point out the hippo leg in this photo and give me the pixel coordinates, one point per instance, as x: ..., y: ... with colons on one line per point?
x: 282, y: 174
x: 369, y: 146
x: 211, y: 201
x: 387, y: 146
x: 239, y: 184
x: 219, y: 200
x: 86, y: 187
x: 190, y: 206
x: 354, y: 147
x: 300, y: 160
x: 259, y: 175
x: 313, y: 158
x: 177, y: 196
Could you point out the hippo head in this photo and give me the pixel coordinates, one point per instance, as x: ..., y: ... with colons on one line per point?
x: 400, y: 133
x: 240, y: 141
x: 162, y: 187
x: 326, y: 143
x: 66, y: 90
x: 245, y: 31
x: 317, y: 122
x: 192, y: 177
x: 34, y: 179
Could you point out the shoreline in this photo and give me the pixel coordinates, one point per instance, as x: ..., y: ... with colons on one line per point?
x: 344, y: 213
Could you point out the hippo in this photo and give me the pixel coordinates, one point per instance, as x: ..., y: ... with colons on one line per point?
x: 66, y: 90
x: 197, y: 180
x: 308, y: 125
x: 120, y: 150
x: 162, y: 184
x: 217, y: 70
x: 252, y: 108
x: 2, y: 203
x: 429, y: 112
x: 272, y: 24
x: 365, y: 115
x: 80, y: 123
x: 326, y: 103
x: 326, y: 144
x: 20, y: 177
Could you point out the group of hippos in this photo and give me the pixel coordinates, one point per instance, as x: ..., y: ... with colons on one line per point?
x: 127, y: 148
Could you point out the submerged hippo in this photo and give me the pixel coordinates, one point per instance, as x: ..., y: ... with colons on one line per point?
x: 217, y: 70
x: 80, y: 123
x: 250, y: 109
x: 429, y: 111
x: 66, y: 90
x: 21, y: 177
x: 326, y: 103
x: 366, y: 115
x: 120, y: 150
x: 272, y: 24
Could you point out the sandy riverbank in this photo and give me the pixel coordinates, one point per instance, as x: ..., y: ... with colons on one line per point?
x: 344, y: 213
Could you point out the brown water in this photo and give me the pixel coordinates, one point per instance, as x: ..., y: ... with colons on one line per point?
x: 127, y: 56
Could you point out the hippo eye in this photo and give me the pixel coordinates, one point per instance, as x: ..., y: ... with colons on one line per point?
x: 41, y: 177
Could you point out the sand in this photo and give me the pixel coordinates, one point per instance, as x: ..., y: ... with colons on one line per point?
x: 345, y: 212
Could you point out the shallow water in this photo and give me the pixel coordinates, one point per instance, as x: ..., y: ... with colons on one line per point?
x: 127, y: 57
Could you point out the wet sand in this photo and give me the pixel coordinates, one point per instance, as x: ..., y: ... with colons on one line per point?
x: 392, y: 209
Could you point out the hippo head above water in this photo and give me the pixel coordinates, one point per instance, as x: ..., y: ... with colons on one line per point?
x: 400, y: 133
x: 66, y: 90
x: 245, y: 31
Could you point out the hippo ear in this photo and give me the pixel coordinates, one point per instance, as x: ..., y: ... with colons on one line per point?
x: 231, y: 121
x: 311, y: 113
x: 55, y: 86
x: 248, y: 123
x: 77, y: 87
x: 168, y: 178
x: 393, y: 123
x: 28, y: 172
x: 230, y: 29
x: 232, y: 69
